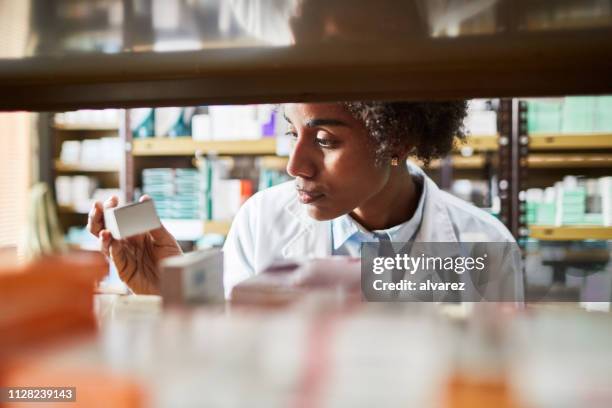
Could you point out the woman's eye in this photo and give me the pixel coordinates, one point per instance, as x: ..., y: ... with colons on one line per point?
x: 291, y: 134
x: 325, y: 142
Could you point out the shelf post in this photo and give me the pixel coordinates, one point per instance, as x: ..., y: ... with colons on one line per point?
x: 513, y: 151
x: 126, y: 172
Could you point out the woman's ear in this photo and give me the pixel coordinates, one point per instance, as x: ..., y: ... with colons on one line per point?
x: 403, y: 152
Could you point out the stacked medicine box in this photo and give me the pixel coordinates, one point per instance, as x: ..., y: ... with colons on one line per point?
x: 573, y: 201
x: 575, y: 114
x: 177, y: 193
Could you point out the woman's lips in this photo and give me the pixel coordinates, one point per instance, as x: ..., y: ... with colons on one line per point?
x: 308, y: 197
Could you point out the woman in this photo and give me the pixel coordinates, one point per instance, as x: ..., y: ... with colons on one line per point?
x: 351, y: 185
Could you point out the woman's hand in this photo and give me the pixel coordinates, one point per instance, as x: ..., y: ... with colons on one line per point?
x: 136, y: 258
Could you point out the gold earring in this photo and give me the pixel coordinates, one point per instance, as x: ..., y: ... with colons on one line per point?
x: 394, y: 161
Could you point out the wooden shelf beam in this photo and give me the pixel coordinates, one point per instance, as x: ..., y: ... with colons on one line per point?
x: 569, y: 233
x: 479, y: 143
x: 569, y: 160
x: 552, y: 141
x: 187, y: 147
x: 72, y: 168
x: 217, y: 227
x: 87, y: 126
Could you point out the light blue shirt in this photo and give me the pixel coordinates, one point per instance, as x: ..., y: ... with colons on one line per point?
x: 348, y: 234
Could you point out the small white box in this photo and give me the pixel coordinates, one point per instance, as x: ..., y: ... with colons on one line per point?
x: 196, y: 277
x: 131, y: 219
x: 71, y: 152
x: 201, y: 127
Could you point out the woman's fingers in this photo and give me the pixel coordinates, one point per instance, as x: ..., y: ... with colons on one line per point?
x: 111, y: 202
x: 95, y: 219
x: 105, y: 242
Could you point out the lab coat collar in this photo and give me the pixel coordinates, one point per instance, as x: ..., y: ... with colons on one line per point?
x: 314, y: 236
x: 345, y: 227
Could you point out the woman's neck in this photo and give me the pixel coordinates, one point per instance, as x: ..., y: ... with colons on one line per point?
x: 391, y: 206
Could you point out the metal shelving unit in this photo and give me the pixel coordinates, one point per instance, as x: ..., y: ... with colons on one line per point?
x: 107, y: 176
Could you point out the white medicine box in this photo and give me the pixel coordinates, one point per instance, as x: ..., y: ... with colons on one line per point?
x: 131, y: 219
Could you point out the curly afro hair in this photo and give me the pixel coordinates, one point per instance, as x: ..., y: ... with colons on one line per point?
x: 427, y: 128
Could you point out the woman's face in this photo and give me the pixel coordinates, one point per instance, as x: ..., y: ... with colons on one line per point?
x: 332, y: 160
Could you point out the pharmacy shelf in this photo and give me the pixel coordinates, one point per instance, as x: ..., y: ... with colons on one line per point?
x: 217, y: 227
x: 186, y: 146
x: 569, y: 160
x: 273, y: 162
x: 545, y: 233
x: 72, y: 168
x: 192, y: 229
x: 573, y: 141
x: 480, y: 142
x: 545, y: 141
x: 67, y: 209
x: 86, y: 126
x: 476, y: 161
x: 573, y: 233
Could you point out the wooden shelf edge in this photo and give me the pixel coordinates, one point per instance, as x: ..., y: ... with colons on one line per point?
x: 569, y: 160
x: 188, y: 147
x: 274, y: 162
x: 67, y: 209
x: 86, y: 126
x: 545, y: 141
x: 220, y: 227
x: 479, y: 143
x: 476, y: 161
x: 560, y: 141
x: 64, y: 167
x: 569, y: 233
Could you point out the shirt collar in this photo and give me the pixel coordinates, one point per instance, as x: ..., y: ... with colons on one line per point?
x: 345, y: 227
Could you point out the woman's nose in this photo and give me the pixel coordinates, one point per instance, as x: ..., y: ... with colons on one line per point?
x: 301, y: 160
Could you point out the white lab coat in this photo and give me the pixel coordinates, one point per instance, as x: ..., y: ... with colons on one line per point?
x: 274, y: 225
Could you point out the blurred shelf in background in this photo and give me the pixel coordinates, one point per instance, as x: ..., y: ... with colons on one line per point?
x: 187, y: 147
x: 273, y: 162
x: 570, y: 233
x: 556, y: 141
x: 476, y: 161
x: 86, y: 126
x: 67, y: 209
x: 71, y: 168
x: 480, y: 142
x: 217, y: 227
x: 566, y: 160
x: 545, y: 141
